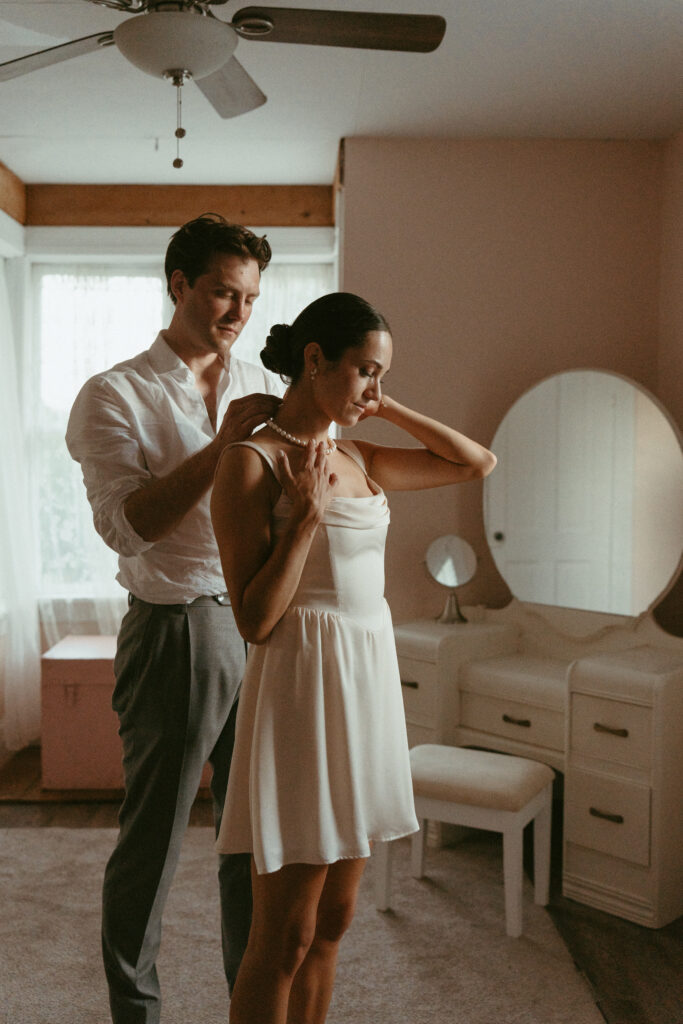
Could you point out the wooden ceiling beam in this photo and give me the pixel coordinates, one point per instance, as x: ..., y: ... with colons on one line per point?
x: 171, y: 205
x: 12, y: 195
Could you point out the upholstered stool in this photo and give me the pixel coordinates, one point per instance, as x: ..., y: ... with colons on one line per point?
x: 483, y: 790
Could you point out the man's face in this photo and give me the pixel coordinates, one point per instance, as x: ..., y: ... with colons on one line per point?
x: 215, y: 309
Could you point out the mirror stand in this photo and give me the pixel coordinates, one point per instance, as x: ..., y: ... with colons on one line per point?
x: 451, y: 611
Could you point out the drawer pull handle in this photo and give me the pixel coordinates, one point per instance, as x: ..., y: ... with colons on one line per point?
x: 410, y: 683
x: 618, y: 819
x: 526, y: 722
x: 599, y: 727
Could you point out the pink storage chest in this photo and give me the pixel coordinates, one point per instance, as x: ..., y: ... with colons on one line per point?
x: 80, y: 741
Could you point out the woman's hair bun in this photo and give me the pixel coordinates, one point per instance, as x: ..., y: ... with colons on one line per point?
x: 277, y: 354
x: 335, y: 322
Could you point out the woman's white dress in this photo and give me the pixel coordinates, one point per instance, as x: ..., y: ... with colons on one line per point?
x: 320, y: 766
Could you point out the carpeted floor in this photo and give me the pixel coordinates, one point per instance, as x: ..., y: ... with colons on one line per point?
x: 441, y: 954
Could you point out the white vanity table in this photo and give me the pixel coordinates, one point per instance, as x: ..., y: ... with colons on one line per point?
x: 610, y: 718
x: 576, y: 676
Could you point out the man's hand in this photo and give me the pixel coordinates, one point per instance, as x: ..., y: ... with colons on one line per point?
x: 244, y: 415
x: 158, y: 507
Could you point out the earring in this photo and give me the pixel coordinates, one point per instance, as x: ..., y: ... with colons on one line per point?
x: 314, y: 373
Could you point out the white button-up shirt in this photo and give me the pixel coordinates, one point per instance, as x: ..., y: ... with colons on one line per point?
x: 134, y: 423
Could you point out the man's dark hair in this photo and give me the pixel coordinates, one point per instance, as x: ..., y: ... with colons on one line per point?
x: 194, y: 245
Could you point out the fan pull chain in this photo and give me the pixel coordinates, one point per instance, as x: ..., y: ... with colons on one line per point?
x: 178, y: 78
x: 180, y: 131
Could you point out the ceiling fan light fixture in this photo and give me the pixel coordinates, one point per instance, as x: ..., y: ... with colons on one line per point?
x: 159, y: 40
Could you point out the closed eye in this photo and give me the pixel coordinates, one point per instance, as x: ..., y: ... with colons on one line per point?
x: 373, y: 375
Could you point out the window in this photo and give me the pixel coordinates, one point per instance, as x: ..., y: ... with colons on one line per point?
x: 90, y: 317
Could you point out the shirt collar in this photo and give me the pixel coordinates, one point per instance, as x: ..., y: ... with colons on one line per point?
x: 164, y: 360
x: 162, y: 357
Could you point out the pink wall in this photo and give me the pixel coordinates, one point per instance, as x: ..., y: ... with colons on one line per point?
x: 497, y: 263
x: 670, y: 365
x: 670, y: 361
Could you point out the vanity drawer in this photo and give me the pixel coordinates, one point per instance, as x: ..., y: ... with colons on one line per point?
x: 542, y: 727
x: 608, y: 815
x: 419, y: 687
x: 611, y: 730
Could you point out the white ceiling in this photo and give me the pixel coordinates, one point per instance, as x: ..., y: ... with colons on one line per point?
x: 505, y: 69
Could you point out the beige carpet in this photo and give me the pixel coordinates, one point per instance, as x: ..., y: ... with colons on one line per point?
x: 441, y: 955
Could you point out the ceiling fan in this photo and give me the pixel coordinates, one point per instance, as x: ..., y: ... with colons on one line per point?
x: 183, y: 39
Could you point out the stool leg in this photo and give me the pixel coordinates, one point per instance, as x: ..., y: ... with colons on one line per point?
x: 382, y: 856
x: 417, y: 850
x: 542, y: 825
x: 512, y: 878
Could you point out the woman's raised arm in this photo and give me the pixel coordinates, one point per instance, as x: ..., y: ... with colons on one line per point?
x: 447, y: 456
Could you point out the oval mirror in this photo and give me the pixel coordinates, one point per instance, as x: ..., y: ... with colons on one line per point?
x: 585, y: 507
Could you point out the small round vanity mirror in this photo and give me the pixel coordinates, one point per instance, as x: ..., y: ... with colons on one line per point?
x: 452, y: 562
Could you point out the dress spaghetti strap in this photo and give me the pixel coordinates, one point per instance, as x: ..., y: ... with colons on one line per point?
x: 266, y: 456
x: 350, y: 449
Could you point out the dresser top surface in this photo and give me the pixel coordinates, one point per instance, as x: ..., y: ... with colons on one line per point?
x: 82, y: 648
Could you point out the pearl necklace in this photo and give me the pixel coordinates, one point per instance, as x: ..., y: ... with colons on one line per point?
x: 331, y: 446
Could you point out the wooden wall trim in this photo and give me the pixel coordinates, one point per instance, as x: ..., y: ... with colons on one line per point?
x: 12, y: 195
x: 171, y: 205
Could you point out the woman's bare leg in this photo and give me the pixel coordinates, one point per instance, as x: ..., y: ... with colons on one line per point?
x: 282, y: 930
x: 311, y: 990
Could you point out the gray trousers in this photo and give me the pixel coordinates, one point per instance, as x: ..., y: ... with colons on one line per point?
x: 178, y: 670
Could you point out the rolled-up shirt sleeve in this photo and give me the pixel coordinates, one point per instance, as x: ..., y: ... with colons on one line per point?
x: 102, y: 437
x: 134, y: 424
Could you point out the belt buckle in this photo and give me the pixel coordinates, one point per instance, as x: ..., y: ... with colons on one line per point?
x: 221, y: 599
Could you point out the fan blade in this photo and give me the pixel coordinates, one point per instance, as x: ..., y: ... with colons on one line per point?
x: 420, y: 33
x: 231, y: 90
x: 53, y: 55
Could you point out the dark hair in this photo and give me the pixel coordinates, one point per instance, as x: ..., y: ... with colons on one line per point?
x: 337, y: 321
x: 194, y: 245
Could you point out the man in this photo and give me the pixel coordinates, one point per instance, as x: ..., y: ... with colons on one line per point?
x: 148, y: 435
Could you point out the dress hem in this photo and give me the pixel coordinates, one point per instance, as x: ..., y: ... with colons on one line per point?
x: 320, y: 861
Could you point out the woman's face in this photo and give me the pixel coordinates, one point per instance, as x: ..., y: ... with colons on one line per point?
x: 351, y: 387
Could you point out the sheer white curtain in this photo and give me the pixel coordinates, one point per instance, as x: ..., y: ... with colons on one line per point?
x: 18, y: 566
x: 86, y: 319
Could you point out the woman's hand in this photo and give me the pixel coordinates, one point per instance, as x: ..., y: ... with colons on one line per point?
x: 374, y: 408
x: 311, y: 486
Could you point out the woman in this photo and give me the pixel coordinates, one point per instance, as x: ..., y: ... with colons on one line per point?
x: 321, y: 767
